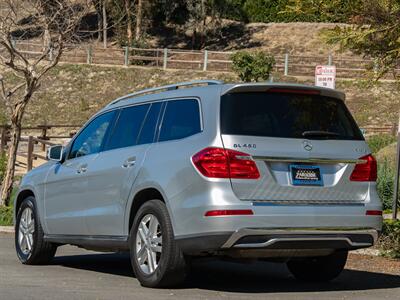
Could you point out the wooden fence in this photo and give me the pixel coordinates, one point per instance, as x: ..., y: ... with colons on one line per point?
x: 204, y: 60
x: 34, y: 142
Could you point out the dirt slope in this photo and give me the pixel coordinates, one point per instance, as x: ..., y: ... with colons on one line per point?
x: 72, y: 93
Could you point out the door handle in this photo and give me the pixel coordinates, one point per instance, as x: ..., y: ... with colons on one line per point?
x: 130, y: 162
x: 82, y: 169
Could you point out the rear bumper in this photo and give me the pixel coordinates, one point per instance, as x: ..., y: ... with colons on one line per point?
x: 280, y: 242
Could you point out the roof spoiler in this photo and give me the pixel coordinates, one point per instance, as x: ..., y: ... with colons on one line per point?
x: 288, y: 88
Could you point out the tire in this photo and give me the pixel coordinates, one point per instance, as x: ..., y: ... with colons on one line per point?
x: 318, y: 269
x: 169, y: 267
x: 40, y: 252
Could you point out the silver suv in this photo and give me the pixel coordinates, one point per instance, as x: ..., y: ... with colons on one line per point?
x: 268, y: 171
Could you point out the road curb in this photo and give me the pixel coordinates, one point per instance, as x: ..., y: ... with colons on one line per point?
x: 6, y: 229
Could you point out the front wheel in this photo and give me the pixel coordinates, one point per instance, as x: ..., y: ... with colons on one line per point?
x: 31, y: 247
x: 318, y: 269
x: 156, y: 258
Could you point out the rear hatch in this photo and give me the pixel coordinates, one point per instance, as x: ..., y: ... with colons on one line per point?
x: 305, y: 145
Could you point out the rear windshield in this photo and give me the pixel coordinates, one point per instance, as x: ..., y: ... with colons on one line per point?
x: 287, y: 115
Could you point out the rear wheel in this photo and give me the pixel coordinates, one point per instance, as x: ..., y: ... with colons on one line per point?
x: 30, y: 245
x: 325, y: 268
x: 156, y: 258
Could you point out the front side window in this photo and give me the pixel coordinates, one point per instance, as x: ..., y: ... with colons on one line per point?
x: 90, y: 139
x: 181, y: 119
x: 129, y: 124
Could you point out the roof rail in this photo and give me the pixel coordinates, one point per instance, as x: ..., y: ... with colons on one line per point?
x: 170, y: 87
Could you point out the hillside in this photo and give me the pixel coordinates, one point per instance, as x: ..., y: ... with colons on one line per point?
x: 72, y: 93
x: 300, y: 38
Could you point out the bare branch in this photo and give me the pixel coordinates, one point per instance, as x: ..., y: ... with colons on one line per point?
x: 56, y: 22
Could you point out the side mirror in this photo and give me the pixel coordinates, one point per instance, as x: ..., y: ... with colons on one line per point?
x: 55, y: 153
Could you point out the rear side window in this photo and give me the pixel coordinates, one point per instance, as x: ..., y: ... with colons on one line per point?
x: 181, y: 119
x: 287, y: 115
x: 128, y: 126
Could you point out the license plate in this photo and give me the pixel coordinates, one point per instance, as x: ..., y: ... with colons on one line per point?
x: 306, y: 175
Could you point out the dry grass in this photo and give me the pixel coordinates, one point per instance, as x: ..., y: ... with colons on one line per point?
x: 72, y: 93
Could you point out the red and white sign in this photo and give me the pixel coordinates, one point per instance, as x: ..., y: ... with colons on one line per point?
x: 325, y: 76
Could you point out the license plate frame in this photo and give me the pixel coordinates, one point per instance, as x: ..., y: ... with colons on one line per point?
x: 306, y: 175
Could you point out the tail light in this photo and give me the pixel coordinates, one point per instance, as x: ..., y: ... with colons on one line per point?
x: 373, y: 213
x: 365, y: 171
x: 225, y: 163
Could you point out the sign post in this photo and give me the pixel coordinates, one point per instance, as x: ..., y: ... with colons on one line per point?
x: 325, y: 76
x: 397, y: 174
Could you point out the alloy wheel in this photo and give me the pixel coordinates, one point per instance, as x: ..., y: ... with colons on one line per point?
x: 26, y: 230
x: 148, y: 244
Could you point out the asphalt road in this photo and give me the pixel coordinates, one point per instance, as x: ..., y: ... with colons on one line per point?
x: 80, y: 274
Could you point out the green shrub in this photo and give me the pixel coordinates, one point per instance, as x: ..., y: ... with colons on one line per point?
x: 267, y: 11
x: 390, y: 239
x: 255, y: 66
x: 385, y: 183
x: 377, y: 142
x: 6, y: 215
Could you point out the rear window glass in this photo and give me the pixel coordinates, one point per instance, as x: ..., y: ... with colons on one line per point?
x: 287, y: 115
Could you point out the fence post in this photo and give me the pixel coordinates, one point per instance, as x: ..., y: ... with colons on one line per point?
x: 396, y: 178
x: 3, y: 142
x: 205, y: 60
x: 126, y: 58
x: 29, y: 160
x: 376, y: 66
x: 44, y: 137
x: 394, y: 129
x: 89, y: 55
x: 330, y: 59
x: 286, y: 64
x: 165, y: 58
x: 51, y: 54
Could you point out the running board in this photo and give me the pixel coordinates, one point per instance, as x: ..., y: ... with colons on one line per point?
x: 99, y: 243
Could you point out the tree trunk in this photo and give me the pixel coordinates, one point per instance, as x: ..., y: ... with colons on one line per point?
x: 128, y: 22
x: 139, y: 16
x: 8, y: 179
x: 99, y: 26
x: 105, y: 25
x: 203, y: 24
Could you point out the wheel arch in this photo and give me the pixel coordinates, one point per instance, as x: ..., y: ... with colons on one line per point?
x: 139, y: 199
x: 21, y: 196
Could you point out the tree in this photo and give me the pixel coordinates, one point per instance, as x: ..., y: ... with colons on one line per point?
x: 55, y: 20
x: 139, y: 17
x: 375, y: 35
x: 99, y: 12
x: 320, y: 10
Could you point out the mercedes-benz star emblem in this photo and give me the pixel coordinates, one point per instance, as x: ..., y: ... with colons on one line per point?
x: 307, y: 146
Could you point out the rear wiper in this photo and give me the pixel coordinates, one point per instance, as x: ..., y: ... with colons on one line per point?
x: 317, y: 133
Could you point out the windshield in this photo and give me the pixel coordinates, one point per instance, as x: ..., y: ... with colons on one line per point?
x: 287, y: 115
